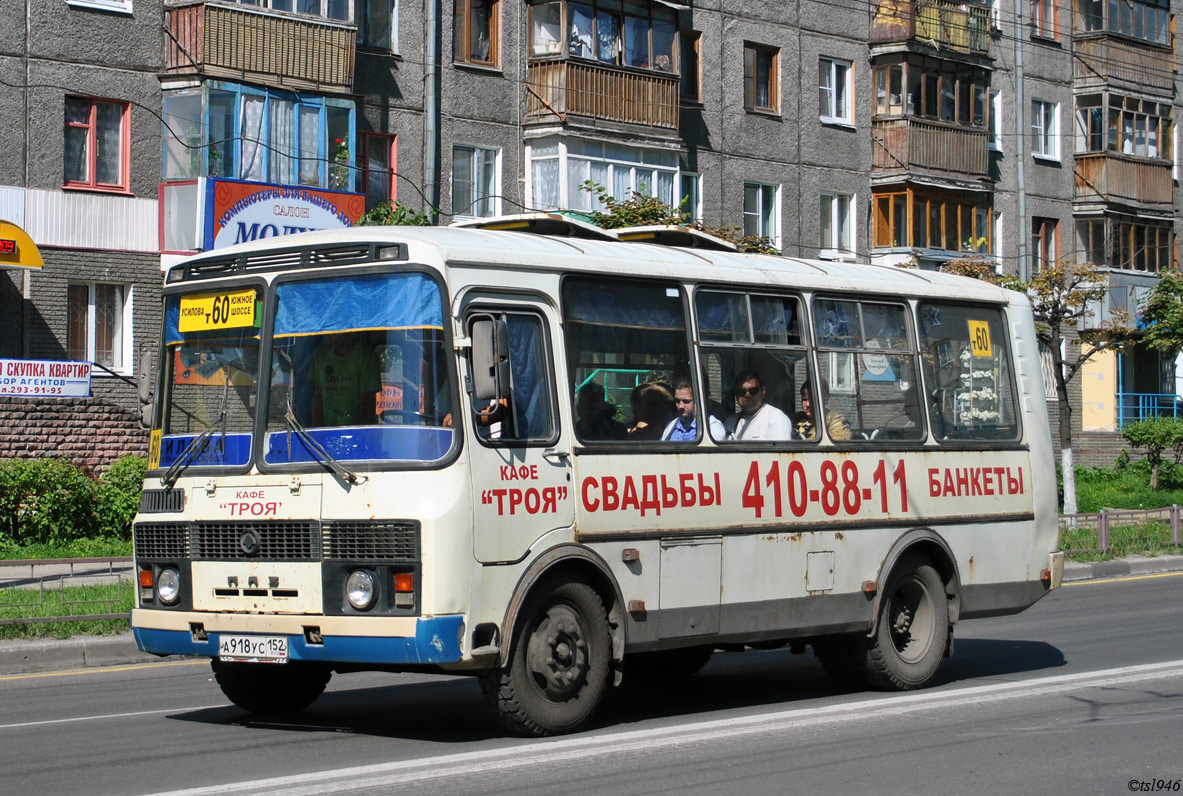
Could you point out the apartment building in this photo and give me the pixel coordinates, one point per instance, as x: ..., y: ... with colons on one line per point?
x: 877, y: 131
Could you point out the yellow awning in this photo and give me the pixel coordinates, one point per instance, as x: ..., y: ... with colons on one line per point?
x: 17, y: 249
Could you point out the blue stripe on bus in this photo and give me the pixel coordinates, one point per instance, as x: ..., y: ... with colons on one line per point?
x: 435, y: 641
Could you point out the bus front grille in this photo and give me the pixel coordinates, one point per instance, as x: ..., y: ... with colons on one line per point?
x: 162, y: 540
x: 272, y: 541
x: 376, y: 540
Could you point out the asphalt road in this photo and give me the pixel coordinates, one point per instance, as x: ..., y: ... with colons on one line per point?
x: 1081, y: 694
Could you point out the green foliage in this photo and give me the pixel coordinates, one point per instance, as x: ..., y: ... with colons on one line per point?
x: 1122, y: 461
x: 119, y: 496
x: 1162, y: 317
x: 97, y: 599
x: 45, y: 500
x: 393, y: 214
x: 639, y: 210
x: 1155, y: 435
x: 1100, y: 487
x: 983, y: 268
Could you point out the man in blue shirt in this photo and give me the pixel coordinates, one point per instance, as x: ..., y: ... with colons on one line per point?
x: 684, y: 427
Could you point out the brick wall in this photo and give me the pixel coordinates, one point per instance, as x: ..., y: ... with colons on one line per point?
x: 91, y: 432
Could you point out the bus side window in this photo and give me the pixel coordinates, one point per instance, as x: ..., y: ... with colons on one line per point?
x: 526, y: 413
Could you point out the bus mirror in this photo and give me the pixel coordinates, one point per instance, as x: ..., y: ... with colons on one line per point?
x: 144, y: 381
x: 490, y: 359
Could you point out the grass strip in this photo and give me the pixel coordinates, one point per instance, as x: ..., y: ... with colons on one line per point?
x: 23, y: 603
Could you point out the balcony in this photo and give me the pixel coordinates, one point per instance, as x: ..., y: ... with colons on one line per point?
x: 1110, y: 177
x: 242, y: 43
x: 929, y: 147
x: 941, y: 24
x: 559, y: 90
x: 1102, y: 60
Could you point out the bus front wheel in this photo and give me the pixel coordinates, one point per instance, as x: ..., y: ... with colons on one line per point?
x: 559, y: 664
x: 270, y: 688
x: 913, y: 628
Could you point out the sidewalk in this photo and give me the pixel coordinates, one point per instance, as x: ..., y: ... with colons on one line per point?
x: 18, y: 657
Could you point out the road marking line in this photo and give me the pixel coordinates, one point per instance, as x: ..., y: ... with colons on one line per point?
x: 110, y: 716
x: 534, y: 753
x: 1123, y: 580
x: 101, y: 670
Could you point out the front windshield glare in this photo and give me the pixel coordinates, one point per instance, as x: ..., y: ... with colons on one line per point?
x: 359, y: 363
x: 211, y: 373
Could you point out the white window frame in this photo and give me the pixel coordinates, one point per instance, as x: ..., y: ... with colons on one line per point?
x: 994, y: 132
x: 125, y: 365
x: 835, y: 247
x: 840, y: 92
x: 478, y: 155
x: 693, y: 207
x: 1045, y: 129
x: 643, y: 168
x: 322, y: 14
x: 767, y: 193
x: 118, y: 6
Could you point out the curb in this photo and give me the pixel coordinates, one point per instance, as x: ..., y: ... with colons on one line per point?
x: 86, y: 652
x: 83, y: 652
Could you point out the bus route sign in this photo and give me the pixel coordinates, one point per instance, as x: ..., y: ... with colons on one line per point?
x: 228, y: 310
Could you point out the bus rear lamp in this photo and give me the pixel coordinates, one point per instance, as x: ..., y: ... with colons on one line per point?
x: 1046, y: 577
x: 359, y: 589
x: 145, y: 578
x: 404, y: 582
x: 168, y: 586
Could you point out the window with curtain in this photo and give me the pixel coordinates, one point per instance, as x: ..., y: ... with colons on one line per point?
x: 97, y: 141
x: 97, y: 314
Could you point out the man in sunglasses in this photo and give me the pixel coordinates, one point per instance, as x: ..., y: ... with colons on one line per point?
x: 756, y: 420
x: 684, y: 427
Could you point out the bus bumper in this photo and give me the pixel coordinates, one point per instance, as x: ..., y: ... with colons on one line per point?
x: 410, y: 640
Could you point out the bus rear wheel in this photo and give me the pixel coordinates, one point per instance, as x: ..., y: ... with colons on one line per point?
x: 559, y: 664
x: 913, y: 628
x: 271, y: 689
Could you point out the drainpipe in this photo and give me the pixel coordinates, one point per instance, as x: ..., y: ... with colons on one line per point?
x: 431, y: 111
x: 1021, y: 141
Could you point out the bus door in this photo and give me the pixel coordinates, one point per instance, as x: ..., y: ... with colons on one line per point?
x: 521, y: 463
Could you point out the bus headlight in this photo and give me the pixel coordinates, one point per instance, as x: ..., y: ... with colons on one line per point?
x: 359, y: 588
x: 168, y: 586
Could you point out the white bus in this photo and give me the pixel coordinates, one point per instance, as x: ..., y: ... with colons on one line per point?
x: 556, y: 457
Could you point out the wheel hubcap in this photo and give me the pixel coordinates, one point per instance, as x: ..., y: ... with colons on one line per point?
x: 556, y: 655
x: 912, y: 616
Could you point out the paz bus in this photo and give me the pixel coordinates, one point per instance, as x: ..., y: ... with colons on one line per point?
x: 450, y: 450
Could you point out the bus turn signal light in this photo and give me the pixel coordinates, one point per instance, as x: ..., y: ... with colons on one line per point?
x: 145, y: 578
x: 404, y: 581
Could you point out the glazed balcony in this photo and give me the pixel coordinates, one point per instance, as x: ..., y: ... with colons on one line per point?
x: 921, y: 146
x: 569, y: 90
x: 1111, y: 177
x: 239, y: 42
x: 1105, y: 60
x: 941, y: 24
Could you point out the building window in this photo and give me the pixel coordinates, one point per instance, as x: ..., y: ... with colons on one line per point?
x: 475, y: 31
x: 377, y: 25
x: 97, y: 316
x: 559, y: 167
x: 1131, y: 126
x: 837, y: 234
x: 257, y: 134
x: 690, y: 199
x: 1045, y: 243
x: 927, y: 220
x: 96, y: 144
x: 1148, y: 20
x: 326, y: 9
x: 761, y: 214
x: 1126, y: 243
x: 380, y: 159
x: 889, y: 90
x: 641, y: 35
x: 994, y: 130
x: 1045, y: 129
x: 834, y: 90
x: 957, y: 97
x: 761, y: 65
x: 1044, y: 18
x: 475, y: 182
x: 690, y: 66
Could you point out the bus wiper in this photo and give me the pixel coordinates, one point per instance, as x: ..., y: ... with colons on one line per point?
x: 174, y: 471
x: 322, y: 455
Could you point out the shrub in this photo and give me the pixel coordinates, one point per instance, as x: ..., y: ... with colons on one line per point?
x: 1156, y: 434
x: 45, y: 501
x: 119, y: 496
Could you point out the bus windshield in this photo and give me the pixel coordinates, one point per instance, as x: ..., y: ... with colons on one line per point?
x: 211, y: 374
x: 359, y: 367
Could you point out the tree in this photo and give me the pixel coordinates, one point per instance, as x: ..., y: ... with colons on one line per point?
x: 1162, y: 318
x: 1155, y: 434
x: 641, y: 210
x: 1063, y: 299
x: 394, y: 214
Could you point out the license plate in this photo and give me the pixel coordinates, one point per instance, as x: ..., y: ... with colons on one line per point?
x: 268, y: 649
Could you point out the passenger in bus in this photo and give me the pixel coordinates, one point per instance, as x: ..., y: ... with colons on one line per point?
x: 756, y: 419
x: 837, y: 426
x: 653, y: 408
x: 684, y: 427
x: 345, y: 382
x: 595, y: 417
